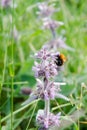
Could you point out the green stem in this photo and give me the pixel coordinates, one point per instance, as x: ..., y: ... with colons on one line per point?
x: 12, y: 69
x: 5, y: 57
x: 17, y: 111
x: 12, y: 105
x: 31, y: 116
x: 47, y: 102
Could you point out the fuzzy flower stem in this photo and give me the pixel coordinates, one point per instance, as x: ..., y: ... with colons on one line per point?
x: 53, y: 32
x: 47, y: 107
x: 47, y: 101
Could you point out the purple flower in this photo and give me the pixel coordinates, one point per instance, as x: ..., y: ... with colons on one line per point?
x: 50, y: 91
x: 51, y: 24
x: 45, y: 121
x: 5, y: 3
x: 45, y: 10
x: 45, y: 69
x: 43, y: 54
x: 59, y: 43
x: 47, y: 92
x: 39, y: 70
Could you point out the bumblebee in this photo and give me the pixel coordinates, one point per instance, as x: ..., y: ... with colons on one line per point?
x: 60, y: 59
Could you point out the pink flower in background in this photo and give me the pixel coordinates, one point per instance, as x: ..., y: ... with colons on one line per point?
x: 5, y: 3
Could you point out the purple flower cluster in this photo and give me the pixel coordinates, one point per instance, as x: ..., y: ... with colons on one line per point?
x: 47, y: 92
x: 51, y: 24
x: 45, y: 70
x: 45, y: 10
x: 47, y: 121
x: 43, y: 54
x: 47, y: 67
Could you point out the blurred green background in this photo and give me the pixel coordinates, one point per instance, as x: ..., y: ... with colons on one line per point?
x: 21, y: 35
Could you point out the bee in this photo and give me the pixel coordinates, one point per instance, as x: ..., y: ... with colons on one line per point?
x: 60, y: 59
